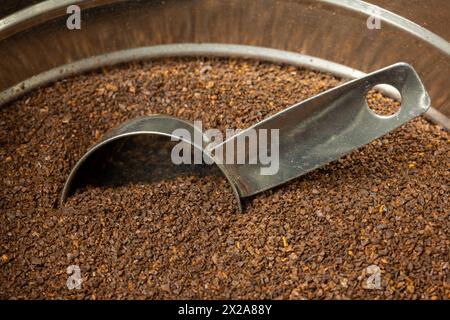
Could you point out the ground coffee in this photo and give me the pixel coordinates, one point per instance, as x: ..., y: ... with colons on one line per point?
x: 380, y: 213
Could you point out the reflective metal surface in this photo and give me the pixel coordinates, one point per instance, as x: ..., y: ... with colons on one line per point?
x: 312, y: 133
x: 329, y: 125
x: 36, y: 40
x: 160, y: 125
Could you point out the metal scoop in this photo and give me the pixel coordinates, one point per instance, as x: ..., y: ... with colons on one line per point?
x: 312, y: 133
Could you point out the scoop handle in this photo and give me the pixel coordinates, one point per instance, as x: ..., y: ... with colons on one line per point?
x: 326, y: 127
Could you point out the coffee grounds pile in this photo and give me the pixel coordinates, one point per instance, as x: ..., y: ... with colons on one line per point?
x: 374, y: 224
